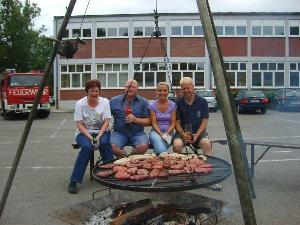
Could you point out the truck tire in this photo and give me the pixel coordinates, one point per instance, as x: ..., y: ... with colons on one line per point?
x: 4, y: 113
x: 43, y: 114
x: 7, y: 115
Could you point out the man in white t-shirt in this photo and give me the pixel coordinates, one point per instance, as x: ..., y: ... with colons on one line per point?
x: 92, y: 115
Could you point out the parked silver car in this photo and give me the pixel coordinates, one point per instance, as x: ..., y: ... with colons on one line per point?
x: 210, y: 97
x: 287, y: 99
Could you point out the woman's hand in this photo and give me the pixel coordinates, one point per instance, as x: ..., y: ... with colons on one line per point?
x: 98, y: 137
x: 167, y: 138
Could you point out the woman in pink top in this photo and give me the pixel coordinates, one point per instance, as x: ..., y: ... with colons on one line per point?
x: 163, y: 119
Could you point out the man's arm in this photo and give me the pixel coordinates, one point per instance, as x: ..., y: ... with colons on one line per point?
x: 144, y: 120
x: 204, y: 119
x: 184, y: 135
x: 202, y: 128
x: 139, y: 121
x: 178, y: 127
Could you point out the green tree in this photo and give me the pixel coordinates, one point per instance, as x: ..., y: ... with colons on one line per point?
x: 21, y: 46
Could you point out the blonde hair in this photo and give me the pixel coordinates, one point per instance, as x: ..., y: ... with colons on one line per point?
x: 186, y: 80
x: 163, y: 84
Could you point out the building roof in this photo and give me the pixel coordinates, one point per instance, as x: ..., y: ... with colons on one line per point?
x: 190, y: 14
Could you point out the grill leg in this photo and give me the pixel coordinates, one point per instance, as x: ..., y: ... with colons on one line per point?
x: 103, y: 189
x: 252, y: 160
x: 92, y: 164
x: 248, y: 172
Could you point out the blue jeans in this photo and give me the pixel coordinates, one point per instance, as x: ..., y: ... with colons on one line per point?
x: 85, y: 153
x: 159, y: 145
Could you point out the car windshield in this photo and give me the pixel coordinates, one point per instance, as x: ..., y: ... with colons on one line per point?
x: 25, y: 80
x: 258, y: 94
x: 293, y: 93
x: 205, y: 93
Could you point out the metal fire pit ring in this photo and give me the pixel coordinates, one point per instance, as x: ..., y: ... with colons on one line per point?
x: 220, y: 171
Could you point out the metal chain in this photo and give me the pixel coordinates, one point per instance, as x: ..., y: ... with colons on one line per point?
x: 143, y: 56
x: 167, y: 65
x: 84, y: 15
x: 165, y: 55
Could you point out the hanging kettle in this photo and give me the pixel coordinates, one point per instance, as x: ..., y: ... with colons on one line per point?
x: 69, y: 47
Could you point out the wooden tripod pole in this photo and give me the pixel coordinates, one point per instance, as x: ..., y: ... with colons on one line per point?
x: 34, y: 107
x: 232, y: 127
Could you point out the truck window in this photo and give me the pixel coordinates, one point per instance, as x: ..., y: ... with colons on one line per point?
x: 24, y: 80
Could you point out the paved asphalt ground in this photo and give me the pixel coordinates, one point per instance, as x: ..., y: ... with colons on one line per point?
x: 40, y: 184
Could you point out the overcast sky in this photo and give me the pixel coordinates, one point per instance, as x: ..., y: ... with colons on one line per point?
x: 52, y: 8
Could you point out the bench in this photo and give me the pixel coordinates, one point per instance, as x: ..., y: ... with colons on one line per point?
x: 92, y: 157
x: 252, y: 145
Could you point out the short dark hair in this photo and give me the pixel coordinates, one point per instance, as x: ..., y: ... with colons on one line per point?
x: 91, y: 84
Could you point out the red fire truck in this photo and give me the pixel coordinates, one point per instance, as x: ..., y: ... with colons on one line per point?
x: 17, y: 93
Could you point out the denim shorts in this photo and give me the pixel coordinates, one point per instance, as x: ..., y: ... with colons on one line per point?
x: 122, y: 139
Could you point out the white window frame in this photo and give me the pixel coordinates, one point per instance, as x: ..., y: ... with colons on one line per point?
x: 271, y: 23
x: 267, y: 70
x: 144, y: 24
x: 294, y: 23
x: 236, y: 72
x: 71, y: 77
x: 112, y: 25
x: 106, y: 72
x: 176, y: 23
x: 295, y: 70
x: 231, y: 23
x: 73, y: 26
x: 163, y: 70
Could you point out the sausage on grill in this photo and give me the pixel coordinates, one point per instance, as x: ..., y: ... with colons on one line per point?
x: 122, y: 175
x: 119, y: 168
x: 105, y: 173
x: 142, y: 172
x: 154, y: 173
x: 107, y: 166
x: 132, y: 170
x: 163, y: 174
x: 139, y: 177
x: 175, y: 172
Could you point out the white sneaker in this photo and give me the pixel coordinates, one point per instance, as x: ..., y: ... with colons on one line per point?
x: 215, y: 187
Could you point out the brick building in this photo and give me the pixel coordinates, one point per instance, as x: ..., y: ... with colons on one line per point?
x: 260, y: 50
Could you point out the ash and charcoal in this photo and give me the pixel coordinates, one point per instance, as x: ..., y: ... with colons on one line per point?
x: 159, y: 213
x: 103, y: 217
x: 187, y: 205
